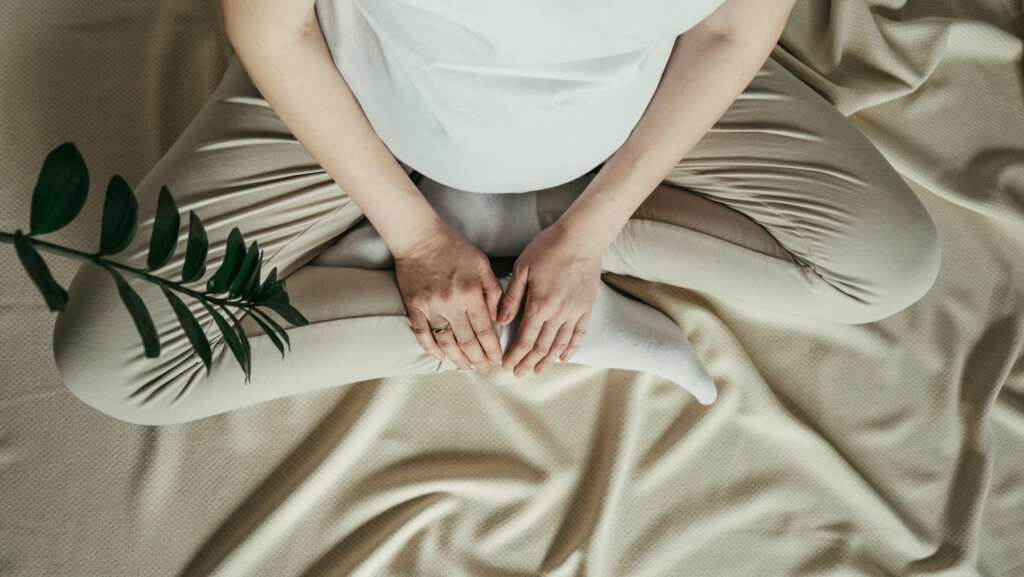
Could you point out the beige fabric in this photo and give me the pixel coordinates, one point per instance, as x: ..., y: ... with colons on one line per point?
x: 884, y: 448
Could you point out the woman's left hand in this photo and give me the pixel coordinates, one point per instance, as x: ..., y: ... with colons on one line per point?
x: 558, y: 272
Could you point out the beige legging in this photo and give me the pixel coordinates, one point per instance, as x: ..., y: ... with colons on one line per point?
x: 782, y: 205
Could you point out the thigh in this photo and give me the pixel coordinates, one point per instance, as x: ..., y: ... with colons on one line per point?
x: 787, y: 160
x: 786, y: 205
x: 236, y: 164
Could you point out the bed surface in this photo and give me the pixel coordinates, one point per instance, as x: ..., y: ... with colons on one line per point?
x: 893, y: 448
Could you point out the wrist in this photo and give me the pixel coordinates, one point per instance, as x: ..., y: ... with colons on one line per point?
x: 416, y: 235
x: 584, y: 233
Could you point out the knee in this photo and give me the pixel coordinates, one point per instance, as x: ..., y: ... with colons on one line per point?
x: 97, y: 363
x: 97, y: 380
x: 904, y: 267
x: 111, y: 393
x: 911, y: 262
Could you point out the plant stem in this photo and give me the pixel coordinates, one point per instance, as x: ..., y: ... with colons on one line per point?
x: 99, y: 261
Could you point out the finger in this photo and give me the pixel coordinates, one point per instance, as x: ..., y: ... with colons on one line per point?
x: 492, y: 293
x: 446, y: 341
x: 577, y: 336
x: 482, y: 325
x: 561, y: 342
x: 540, y: 347
x: 512, y: 297
x: 421, y: 328
x: 529, y: 328
x: 467, y: 341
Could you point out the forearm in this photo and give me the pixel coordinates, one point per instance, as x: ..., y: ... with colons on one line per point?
x: 294, y: 72
x: 709, y: 67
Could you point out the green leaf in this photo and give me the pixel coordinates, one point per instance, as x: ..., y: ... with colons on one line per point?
x: 273, y: 324
x: 244, y: 340
x: 277, y: 292
x: 230, y: 336
x: 267, y: 328
x: 135, y: 306
x: 54, y: 294
x: 270, y: 281
x: 165, y: 231
x: 249, y: 290
x: 248, y: 348
x: 193, y: 330
x: 120, y: 213
x: 60, y: 191
x: 244, y: 271
x: 195, y: 254
x: 287, y: 312
x: 233, y: 255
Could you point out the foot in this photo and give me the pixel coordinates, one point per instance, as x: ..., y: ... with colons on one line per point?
x: 625, y: 333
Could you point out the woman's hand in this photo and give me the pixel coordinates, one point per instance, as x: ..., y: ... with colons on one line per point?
x: 558, y: 272
x: 445, y: 279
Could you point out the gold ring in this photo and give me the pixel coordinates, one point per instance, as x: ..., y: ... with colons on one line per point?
x: 438, y: 330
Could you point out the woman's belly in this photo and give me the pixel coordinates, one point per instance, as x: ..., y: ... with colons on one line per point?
x: 497, y: 128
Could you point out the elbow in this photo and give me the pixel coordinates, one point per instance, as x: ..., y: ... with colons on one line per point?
x: 746, y: 22
x: 229, y: 20
x: 245, y: 25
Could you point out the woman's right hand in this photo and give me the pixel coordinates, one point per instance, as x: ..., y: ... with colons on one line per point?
x: 446, y: 279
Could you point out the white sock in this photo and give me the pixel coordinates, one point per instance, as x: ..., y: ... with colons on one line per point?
x: 623, y: 332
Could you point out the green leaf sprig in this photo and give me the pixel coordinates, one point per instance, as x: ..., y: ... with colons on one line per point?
x: 58, y: 197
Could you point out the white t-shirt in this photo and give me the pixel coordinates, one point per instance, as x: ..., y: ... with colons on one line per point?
x: 503, y: 96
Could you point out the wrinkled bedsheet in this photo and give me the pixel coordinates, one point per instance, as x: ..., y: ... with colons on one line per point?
x: 892, y: 448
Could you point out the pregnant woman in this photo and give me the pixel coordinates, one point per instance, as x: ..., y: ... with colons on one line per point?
x: 655, y: 139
